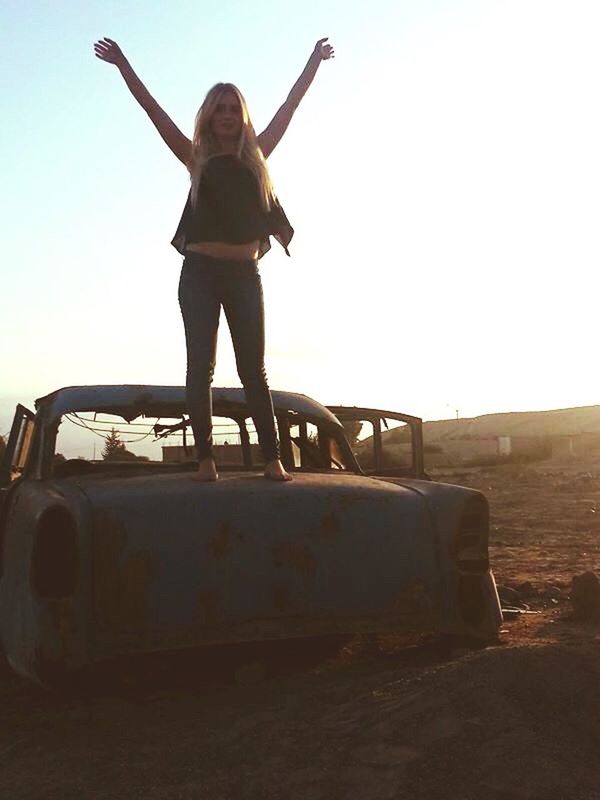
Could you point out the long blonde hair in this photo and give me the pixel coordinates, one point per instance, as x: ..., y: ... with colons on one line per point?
x: 204, y: 144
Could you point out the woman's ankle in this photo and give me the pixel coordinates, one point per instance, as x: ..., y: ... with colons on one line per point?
x: 207, y: 470
x: 275, y: 471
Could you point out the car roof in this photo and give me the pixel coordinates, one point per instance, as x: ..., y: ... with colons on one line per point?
x: 130, y: 401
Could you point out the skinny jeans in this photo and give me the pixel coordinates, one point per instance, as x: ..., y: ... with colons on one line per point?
x: 206, y: 284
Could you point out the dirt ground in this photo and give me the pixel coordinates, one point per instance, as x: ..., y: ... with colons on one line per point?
x: 518, y: 719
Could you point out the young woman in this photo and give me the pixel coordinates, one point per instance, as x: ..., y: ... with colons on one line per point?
x: 229, y: 215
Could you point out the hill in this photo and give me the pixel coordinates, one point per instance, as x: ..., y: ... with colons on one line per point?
x: 559, y: 422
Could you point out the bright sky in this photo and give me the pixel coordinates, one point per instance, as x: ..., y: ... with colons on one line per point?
x: 442, y: 176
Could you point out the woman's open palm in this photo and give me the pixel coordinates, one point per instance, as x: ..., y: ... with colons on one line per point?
x: 107, y: 50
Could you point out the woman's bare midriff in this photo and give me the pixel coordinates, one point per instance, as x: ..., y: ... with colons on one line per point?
x: 241, y: 252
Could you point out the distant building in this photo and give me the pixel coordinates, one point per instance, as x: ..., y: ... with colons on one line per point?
x: 226, y: 455
x: 504, y: 445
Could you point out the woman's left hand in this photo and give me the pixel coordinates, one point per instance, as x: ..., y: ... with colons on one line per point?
x: 324, y: 51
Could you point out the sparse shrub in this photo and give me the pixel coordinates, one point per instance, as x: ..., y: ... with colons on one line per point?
x: 537, y: 452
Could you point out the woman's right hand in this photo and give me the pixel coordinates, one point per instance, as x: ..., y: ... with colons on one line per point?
x: 180, y: 145
x: 109, y: 51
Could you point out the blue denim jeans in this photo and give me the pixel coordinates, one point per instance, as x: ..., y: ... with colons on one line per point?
x: 206, y: 284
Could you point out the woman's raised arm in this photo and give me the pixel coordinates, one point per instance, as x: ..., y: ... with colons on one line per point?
x: 180, y: 145
x: 270, y: 137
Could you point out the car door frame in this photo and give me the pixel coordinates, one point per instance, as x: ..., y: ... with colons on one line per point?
x: 21, y: 436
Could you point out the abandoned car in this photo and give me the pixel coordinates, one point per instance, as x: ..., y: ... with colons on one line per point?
x: 118, y: 551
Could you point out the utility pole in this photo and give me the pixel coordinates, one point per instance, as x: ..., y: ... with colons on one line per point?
x: 454, y: 409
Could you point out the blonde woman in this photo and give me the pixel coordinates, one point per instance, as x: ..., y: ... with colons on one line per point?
x: 230, y: 213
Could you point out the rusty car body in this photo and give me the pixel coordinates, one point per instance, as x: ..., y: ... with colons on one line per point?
x: 101, y: 558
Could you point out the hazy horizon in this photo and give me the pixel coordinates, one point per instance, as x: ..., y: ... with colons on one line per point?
x: 8, y: 404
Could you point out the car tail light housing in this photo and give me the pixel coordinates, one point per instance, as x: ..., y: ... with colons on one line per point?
x: 472, y: 558
x: 473, y: 536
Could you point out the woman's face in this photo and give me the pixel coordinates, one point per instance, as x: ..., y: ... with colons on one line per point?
x: 226, y: 121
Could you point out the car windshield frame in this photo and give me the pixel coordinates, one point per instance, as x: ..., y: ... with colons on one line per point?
x: 329, y: 452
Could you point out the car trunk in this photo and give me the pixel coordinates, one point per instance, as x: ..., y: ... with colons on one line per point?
x: 177, y: 563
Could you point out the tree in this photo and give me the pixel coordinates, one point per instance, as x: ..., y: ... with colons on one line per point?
x: 115, y: 450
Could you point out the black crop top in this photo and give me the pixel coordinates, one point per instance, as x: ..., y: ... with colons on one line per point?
x: 228, y: 209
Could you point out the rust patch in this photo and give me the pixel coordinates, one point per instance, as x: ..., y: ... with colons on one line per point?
x: 133, y: 590
x: 208, y: 608
x: 349, y: 500
x: 50, y: 671
x: 296, y: 555
x: 108, y: 544
x: 330, y: 526
x: 58, y: 641
x: 61, y: 616
x: 120, y: 590
x: 220, y: 545
x: 281, y: 598
x: 412, y: 598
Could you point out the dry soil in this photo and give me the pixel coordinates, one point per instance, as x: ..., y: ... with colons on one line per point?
x: 519, y: 719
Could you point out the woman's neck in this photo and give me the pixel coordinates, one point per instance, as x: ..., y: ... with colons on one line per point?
x: 227, y: 147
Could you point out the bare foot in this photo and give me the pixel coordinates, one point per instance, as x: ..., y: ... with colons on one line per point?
x: 274, y: 471
x: 207, y: 471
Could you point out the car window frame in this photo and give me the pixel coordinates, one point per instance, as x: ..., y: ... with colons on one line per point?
x: 375, y: 416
